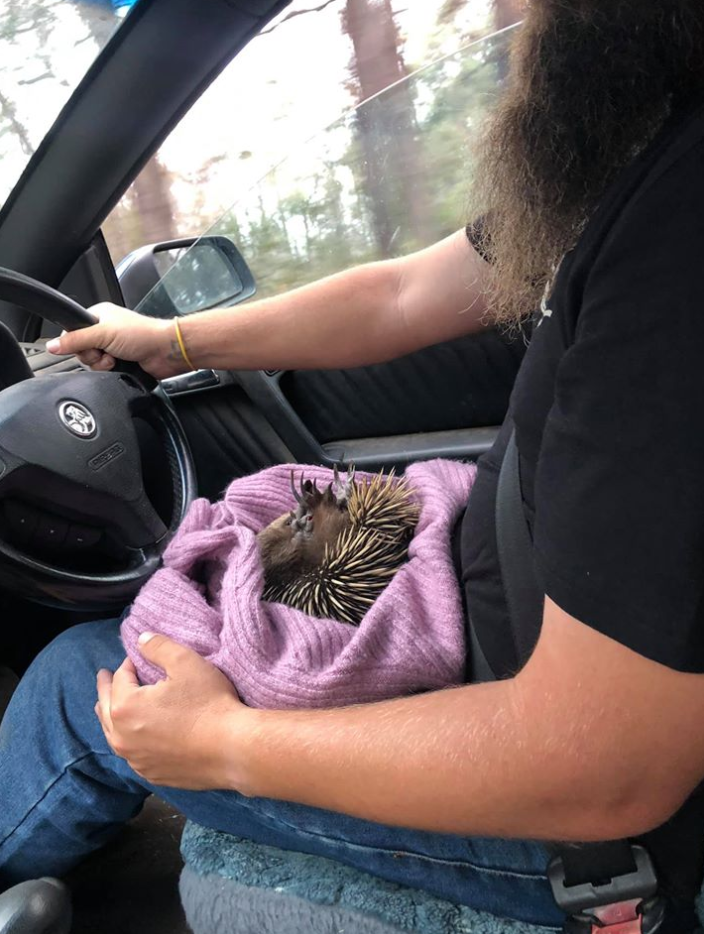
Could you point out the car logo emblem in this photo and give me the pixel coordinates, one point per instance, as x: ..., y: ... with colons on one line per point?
x: 77, y: 419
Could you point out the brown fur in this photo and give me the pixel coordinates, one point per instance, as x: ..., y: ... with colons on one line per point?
x: 287, y: 555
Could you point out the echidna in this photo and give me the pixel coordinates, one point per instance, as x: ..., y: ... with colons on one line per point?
x: 338, y: 549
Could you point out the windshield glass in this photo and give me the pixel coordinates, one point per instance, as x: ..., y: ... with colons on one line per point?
x: 46, y: 47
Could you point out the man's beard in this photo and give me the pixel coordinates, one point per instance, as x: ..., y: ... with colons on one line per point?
x: 592, y: 81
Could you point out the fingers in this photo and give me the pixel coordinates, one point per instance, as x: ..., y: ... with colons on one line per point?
x: 98, y: 361
x: 91, y: 357
x: 113, y: 692
x: 166, y: 653
x: 124, y: 680
x: 80, y: 341
x: 85, y: 344
x: 89, y: 343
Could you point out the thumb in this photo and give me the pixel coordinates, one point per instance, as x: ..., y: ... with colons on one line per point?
x: 74, y: 342
x: 164, y: 652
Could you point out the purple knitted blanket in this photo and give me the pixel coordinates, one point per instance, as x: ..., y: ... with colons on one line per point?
x: 207, y: 596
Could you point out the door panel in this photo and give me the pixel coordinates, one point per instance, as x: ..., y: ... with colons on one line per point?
x: 444, y: 401
x: 460, y: 384
x: 229, y: 437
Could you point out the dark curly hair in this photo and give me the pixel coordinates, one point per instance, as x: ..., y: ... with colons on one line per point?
x: 591, y: 83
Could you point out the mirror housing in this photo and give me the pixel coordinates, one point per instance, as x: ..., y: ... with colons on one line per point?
x: 180, y: 277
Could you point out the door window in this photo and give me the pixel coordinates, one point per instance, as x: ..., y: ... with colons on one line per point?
x: 389, y: 176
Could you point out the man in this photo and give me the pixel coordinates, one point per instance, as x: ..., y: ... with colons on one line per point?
x: 591, y: 189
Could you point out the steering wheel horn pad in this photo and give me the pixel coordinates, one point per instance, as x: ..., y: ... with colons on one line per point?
x: 77, y: 430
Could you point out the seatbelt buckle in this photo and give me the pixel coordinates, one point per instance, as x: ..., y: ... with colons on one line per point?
x: 627, y: 904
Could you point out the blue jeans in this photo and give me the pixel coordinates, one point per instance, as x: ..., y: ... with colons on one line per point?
x: 64, y: 793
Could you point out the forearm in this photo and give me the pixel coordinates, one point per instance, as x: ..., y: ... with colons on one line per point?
x: 365, y: 315
x: 587, y: 742
x: 344, y: 320
x: 463, y: 761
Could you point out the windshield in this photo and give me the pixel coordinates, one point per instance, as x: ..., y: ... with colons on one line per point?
x: 46, y: 47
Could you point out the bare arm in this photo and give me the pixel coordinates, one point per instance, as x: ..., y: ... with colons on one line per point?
x: 588, y: 742
x: 366, y: 315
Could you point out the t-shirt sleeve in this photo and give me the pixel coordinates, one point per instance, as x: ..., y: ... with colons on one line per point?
x: 619, y: 486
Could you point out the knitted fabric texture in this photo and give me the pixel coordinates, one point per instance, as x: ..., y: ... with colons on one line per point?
x: 207, y: 596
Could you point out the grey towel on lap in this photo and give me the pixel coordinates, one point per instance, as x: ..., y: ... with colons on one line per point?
x: 215, y: 905
x: 233, y: 886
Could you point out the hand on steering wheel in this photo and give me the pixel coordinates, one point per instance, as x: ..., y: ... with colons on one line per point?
x: 121, y: 334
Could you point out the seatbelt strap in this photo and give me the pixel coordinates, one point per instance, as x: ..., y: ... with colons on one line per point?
x: 608, y: 887
x: 523, y: 596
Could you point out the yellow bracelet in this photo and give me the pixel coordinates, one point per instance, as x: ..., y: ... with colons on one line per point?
x: 182, y: 346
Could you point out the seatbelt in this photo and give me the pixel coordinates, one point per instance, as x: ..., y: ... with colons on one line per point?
x: 523, y: 595
x: 609, y: 887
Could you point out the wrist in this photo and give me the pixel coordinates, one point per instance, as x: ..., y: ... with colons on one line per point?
x: 239, y: 737
x: 165, y: 357
x: 184, y: 350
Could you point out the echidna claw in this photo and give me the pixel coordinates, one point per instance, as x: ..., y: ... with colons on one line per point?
x: 296, y: 495
x: 342, y: 489
x: 301, y: 511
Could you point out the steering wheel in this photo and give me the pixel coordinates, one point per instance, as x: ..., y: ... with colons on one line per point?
x: 77, y: 526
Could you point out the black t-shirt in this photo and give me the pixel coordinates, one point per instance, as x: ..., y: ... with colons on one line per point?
x: 609, y: 413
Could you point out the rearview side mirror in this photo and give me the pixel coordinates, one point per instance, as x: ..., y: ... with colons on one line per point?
x: 180, y: 277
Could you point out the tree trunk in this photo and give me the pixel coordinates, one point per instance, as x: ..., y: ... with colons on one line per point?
x: 386, y: 123
x: 8, y: 112
x: 154, y: 202
x: 99, y: 16
x: 507, y: 12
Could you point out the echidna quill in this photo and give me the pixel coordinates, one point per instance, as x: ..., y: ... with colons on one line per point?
x: 338, y: 549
